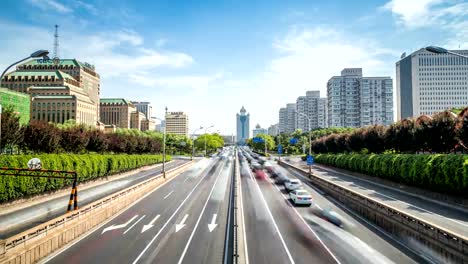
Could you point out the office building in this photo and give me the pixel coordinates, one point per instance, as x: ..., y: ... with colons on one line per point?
x: 18, y: 102
x: 356, y: 101
x: 177, y: 123
x: 117, y: 111
x: 136, y: 119
x: 242, y: 125
x: 259, y: 130
x: 148, y: 124
x: 273, y: 130
x: 60, y: 89
x: 311, y: 107
x: 427, y: 83
x: 144, y: 107
x: 287, y: 119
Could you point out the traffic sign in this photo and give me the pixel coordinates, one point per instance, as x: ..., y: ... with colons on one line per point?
x: 293, y: 141
x: 310, y: 160
x: 280, y: 149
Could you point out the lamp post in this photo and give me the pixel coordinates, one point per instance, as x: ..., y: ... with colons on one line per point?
x: 310, y: 138
x: 193, y: 143
x: 37, y: 54
x: 440, y: 50
x: 164, y: 143
x: 206, y: 129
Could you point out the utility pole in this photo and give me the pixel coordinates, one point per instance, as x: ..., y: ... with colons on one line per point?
x: 164, y: 145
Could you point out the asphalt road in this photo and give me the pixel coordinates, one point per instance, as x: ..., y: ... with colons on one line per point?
x: 278, y: 232
x: 449, y: 218
x: 182, y: 221
x: 25, y: 218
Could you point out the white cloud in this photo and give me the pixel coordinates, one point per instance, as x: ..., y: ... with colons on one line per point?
x: 51, y: 5
x: 423, y: 13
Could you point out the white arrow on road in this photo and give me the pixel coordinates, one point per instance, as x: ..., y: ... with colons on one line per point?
x: 150, y: 224
x: 112, y: 227
x: 182, y: 224
x: 212, y: 226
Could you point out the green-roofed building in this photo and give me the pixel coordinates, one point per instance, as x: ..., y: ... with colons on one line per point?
x: 59, y: 89
x: 18, y: 101
x: 117, y: 111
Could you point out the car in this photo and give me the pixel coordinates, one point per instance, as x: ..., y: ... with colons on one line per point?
x: 255, y: 166
x: 300, y: 197
x: 281, y: 178
x: 268, y: 166
x: 292, y: 184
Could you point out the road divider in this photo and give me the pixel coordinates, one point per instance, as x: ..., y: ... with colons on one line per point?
x: 36, y: 243
x: 430, y: 240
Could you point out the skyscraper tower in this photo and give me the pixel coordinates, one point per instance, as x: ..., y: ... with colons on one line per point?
x: 242, y: 120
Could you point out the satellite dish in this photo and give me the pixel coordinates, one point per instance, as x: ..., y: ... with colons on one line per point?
x: 34, y: 164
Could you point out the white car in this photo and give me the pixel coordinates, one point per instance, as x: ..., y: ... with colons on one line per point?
x: 292, y: 184
x: 300, y: 197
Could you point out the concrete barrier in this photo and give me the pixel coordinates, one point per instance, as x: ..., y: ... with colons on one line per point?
x: 418, y: 234
x: 36, y: 243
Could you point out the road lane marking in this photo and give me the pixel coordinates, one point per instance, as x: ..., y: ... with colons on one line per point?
x: 200, y: 217
x: 272, y: 219
x: 243, y: 219
x: 167, y: 222
x: 134, y: 224
x: 112, y: 227
x: 213, y: 224
x: 308, y: 226
x: 167, y: 195
x: 150, y: 224
x: 186, y: 179
x: 181, y: 225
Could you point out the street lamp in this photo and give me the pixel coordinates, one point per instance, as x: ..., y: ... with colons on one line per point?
x: 206, y: 129
x: 440, y: 50
x: 164, y: 143
x: 193, y: 143
x: 37, y: 54
x: 310, y: 138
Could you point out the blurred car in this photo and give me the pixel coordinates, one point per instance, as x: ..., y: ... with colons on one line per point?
x: 332, y: 217
x: 292, y: 184
x: 255, y: 166
x: 268, y: 166
x: 281, y: 178
x: 300, y: 197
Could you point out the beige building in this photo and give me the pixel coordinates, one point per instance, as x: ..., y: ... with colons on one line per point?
x: 148, y: 124
x: 177, y: 123
x: 61, y: 90
x: 136, y: 119
x: 116, y: 111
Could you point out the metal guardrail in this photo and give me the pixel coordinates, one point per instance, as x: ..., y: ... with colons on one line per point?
x: 50, y: 226
x: 453, y: 244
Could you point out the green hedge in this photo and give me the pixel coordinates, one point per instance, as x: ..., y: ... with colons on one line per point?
x: 444, y: 173
x: 88, y: 167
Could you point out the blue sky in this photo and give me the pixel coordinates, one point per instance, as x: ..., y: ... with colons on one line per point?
x: 208, y: 58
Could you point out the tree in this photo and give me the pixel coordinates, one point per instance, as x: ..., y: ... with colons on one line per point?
x: 443, y: 132
x: 260, y: 146
x: 422, y: 133
x: 12, y: 132
x: 213, y: 142
x: 461, y: 128
x: 74, y: 139
x: 373, y: 138
x: 98, y: 142
x: 42, y: 137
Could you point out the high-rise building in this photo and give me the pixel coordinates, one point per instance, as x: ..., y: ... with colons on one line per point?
x: 136, y: 120
x: 311, y: 107
x: 117, y: 111
x: 259, y: 130
x: 356, y: 101
x: 19, y: 102
x: 60, y: 89
x: 145, y: 108
x: 177, y: 123
x: 287, y: 119
x: 427, y: 83
x: 273, y: 130
x: 242, y: 125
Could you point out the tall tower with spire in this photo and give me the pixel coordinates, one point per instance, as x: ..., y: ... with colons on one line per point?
x: 242, y: 120
x: 56, y: 58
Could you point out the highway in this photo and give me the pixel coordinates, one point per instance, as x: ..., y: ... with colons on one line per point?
x: 20, y: 220
x: 182, y: 221
x: 278, y: 232
x: 449, y: 218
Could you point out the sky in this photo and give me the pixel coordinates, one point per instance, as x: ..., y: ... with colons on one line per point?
x: 210, y: 58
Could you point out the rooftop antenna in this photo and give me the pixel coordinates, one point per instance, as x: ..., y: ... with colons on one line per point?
x: 56, y: 59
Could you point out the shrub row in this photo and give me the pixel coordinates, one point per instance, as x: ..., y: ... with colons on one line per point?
x: 444, y: 173
x: 87, y: 166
